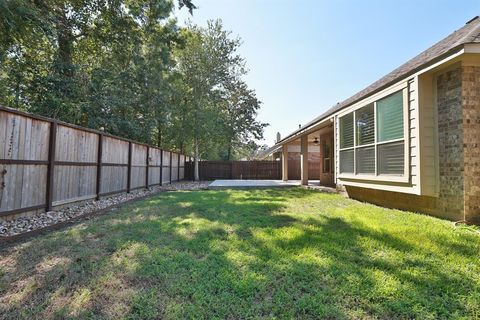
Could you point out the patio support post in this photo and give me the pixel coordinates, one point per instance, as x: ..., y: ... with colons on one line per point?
x: 285, y: 162
x: 304, y: 160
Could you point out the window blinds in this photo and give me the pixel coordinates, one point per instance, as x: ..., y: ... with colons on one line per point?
x: 390, y: 117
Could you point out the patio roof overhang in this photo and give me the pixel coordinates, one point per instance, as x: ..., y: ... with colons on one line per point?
x: 328, y: 116
x: 465, y: 40
x: 311, y: 127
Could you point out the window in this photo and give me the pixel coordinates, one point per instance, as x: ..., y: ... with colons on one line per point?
x: 365, y: 160
x: 390, y: 158
x: 346, y: 134
x: 346, y: 161
x: 364, y: 122
x: 390, y: 117
x: 372, y: 138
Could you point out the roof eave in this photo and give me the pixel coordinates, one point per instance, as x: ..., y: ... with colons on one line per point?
x: 452, y: 52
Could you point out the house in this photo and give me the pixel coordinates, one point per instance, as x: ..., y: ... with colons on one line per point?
x: 410, y: 140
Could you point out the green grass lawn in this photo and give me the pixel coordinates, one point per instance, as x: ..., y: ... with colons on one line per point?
x: 269, y: 253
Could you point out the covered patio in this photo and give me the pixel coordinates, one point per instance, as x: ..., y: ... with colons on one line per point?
x: 308, y: 155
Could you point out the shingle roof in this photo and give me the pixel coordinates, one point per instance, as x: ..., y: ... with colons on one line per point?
x: 470, y: 33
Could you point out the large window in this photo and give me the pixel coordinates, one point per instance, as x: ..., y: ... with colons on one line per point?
x: 372, y: 139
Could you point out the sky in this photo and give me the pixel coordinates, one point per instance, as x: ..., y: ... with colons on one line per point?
x: 305, y: 56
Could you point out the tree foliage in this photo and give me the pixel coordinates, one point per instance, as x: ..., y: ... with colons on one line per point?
x: 125, y: 66
x: 219, y: 110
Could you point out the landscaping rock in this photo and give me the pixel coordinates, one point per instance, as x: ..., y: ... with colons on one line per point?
x: 44, y: 219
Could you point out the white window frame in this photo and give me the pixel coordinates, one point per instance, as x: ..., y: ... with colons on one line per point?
x: 405, y: 177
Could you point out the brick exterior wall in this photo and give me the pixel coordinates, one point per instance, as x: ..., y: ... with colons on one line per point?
x: 458, y: 102
x: 450, y: 143
x: 327, y: 178
x: 471, y: 143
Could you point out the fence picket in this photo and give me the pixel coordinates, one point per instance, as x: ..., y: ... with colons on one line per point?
x: 255, y: 169
x: 45, y: 163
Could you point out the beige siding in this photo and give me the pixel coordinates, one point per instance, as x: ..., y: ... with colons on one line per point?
x: 428, y: 134
x: 413, y: 125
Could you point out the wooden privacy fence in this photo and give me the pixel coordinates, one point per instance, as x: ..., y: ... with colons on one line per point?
x: 46, y: 163
x: 210, y: 170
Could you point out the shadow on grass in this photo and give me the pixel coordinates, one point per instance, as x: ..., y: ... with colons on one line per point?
x: 230, y: 254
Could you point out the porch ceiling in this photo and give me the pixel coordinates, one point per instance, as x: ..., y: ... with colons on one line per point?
x: 312, y: 135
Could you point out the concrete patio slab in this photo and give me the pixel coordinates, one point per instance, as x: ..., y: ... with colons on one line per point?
x: 254, y: 183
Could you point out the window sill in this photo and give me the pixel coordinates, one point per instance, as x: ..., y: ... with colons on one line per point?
x: 372, y: 178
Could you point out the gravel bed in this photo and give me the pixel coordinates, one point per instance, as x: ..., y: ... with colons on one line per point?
x: 44, y: 219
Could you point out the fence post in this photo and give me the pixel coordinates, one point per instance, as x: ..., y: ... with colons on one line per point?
x: 51, y: 165
x: 178, y: 167
x: 170, y: 166
x: 279, y: 169
x: 161, y: 167
x: 192, y: 169
x: 184, y: 166
x: 146, y: 169
x: 129, y: 169
x: 99, y: 164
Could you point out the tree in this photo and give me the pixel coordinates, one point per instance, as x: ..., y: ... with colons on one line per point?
x: 99, y: 63
x: 242, y: 128
x: 218, y: 109
x: 126, y: 67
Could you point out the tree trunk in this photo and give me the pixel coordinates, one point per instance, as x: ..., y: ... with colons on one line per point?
x: 65, y: 43
x: 159, y: 137
x: 17, y: 93
x: 230, y: 147
x: 196, y: 173
x: 229, y: 151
